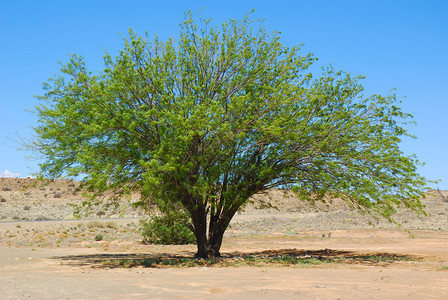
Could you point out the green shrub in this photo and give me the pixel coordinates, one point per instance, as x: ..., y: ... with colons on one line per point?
x: 170, y: 228
x: 99, y: 237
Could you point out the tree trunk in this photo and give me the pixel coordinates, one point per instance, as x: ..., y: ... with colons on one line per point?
x: 209, y: 246
x: 202, y: 244
x: 199, y: 219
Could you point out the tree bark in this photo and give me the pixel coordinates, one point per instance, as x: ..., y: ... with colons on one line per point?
x: 199, y: 219
x: 209, y: 246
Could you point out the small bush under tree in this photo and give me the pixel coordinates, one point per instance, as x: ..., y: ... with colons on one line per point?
x: 169, y: 228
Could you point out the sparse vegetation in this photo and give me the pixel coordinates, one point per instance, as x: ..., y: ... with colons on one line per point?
x: 260, y: 260
x: 288, y: 220
x: 96, y: 224
x: 111, y: 224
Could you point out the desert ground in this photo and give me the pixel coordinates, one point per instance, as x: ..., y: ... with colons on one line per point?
x: 277, y: 247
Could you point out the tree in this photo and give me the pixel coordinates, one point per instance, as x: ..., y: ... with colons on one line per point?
x: 206, y: 121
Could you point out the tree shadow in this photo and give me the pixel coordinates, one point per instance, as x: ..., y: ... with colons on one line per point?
x: 104, y: 260
x: 281, y: 257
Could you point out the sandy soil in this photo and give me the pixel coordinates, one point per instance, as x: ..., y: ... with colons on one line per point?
x: 77, y: 273
x: 61, y: 259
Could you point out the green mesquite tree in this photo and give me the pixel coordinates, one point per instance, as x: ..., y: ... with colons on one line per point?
x: 206, y: 121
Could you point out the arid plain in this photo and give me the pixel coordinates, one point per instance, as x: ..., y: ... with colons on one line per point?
x: 276, y: 248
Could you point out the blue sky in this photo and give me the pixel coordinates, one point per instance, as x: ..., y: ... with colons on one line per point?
x: 396, y: 44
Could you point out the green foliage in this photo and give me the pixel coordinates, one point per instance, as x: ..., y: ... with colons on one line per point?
x: 170, y: 228
x: 207, y: 120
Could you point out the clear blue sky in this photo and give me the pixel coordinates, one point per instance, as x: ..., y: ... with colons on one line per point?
x: 396, y: 44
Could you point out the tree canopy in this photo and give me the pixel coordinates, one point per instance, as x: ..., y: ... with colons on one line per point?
x: 217, y: 115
